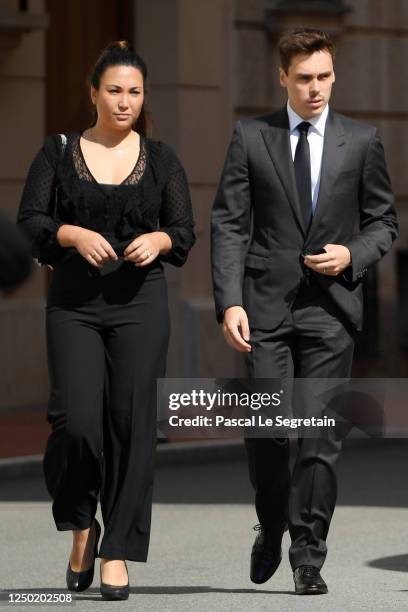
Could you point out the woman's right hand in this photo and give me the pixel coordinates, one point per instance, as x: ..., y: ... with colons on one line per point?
x: 92, y: 246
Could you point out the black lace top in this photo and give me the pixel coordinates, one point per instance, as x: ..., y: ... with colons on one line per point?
x: 60, y: 189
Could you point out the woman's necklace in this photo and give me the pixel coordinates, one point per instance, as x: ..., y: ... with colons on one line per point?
x: 117, y: 150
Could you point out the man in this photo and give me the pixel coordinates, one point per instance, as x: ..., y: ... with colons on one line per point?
x: 295, y: 185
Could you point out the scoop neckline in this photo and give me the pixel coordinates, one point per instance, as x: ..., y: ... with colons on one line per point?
x: 141, y: 142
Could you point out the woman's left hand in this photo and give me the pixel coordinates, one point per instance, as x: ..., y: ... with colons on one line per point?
x: 145, y: 248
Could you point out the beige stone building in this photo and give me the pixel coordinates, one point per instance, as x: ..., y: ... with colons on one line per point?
x: 211, y: 62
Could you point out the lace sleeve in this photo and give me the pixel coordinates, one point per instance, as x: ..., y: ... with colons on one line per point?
x: 35, y: 215
x: 176, y: 216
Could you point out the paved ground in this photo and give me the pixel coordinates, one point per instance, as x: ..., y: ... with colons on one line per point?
x: 201, y: 538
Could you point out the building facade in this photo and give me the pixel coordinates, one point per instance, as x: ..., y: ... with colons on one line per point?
x: 210, y: 63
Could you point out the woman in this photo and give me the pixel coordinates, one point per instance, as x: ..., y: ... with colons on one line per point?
x: 105, y: 209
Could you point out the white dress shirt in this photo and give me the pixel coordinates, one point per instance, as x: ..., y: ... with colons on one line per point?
x: 315, y: 138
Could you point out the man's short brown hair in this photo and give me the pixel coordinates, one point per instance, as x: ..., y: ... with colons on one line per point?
x: 303, y: 41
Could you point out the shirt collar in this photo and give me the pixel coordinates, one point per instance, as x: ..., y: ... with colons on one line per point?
x: 318, y: 123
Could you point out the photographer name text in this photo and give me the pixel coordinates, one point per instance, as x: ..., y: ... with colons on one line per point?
x: 255, y: 420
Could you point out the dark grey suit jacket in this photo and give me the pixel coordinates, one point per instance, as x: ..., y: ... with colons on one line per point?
x: 258, y: 239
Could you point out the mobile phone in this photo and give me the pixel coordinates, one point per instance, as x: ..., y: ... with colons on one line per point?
x: 110, y: 266
x: 315, y: 252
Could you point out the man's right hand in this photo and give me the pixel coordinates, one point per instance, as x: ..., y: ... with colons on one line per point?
x: 91, y: 245
x: 236, y: 329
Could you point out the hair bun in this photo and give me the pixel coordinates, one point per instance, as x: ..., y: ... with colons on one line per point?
x: 119, y: 44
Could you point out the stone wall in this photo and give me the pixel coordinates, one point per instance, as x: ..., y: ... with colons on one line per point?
x: 23, y: 379
x: 211, y: 62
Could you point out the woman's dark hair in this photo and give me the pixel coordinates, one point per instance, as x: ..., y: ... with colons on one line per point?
x: 121, y: 53
x: 303, y: 40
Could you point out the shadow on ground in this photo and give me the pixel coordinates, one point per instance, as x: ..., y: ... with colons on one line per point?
x: 396, y: 563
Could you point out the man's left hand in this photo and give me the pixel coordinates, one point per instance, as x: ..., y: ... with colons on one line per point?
x: 333, y: 262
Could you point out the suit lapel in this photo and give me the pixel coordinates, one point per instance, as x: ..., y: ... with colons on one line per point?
x: 334, y: 151
x: 277, y: 141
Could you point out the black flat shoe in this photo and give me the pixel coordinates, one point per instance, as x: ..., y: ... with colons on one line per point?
x: 80, y: 581
x: 113, y: 592
x: 266, y: 553
x: 308, y: 581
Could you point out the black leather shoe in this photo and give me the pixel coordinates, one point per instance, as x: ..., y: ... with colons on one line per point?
x: 80, y: 581
x: 308, y: 581
x: 266, y: 553
x: 113, y: 592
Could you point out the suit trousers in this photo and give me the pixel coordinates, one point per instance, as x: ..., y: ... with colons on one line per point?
x: 314, y: 341
x: 107, y: 339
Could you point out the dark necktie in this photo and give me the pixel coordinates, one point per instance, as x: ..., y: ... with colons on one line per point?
x: 303, y: 174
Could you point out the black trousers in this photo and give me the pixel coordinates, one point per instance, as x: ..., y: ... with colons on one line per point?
x: 107, y: 339
x: 314, y: 341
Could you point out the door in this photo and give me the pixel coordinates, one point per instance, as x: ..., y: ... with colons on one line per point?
x: 78, y: 31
